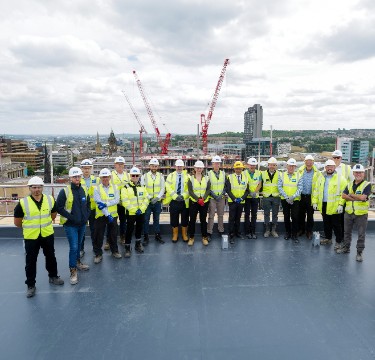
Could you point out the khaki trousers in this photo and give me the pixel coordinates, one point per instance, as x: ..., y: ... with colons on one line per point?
x: 218, y: 207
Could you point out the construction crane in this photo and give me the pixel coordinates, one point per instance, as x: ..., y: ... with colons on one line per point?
x: 164, y: 144
x: 205, y: 122
x: 141, y: 127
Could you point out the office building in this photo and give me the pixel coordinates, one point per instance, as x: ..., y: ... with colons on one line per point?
x: 354, y: 151
x: 253, y: 123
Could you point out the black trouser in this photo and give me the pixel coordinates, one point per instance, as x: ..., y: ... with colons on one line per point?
x: 290, y: 213
x: 32, y: 251
x: 332, y: 222
x: 235, y: 213
x: 251, y: 205
x: 138, y: 220
x: 175, y: 209
x: 100, y: 224
x: 92, y: 229
x: 306, y: 213
x: 194, y: 209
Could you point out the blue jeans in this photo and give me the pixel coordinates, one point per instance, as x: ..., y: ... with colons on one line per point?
x: 155, y: 209
x: 75, y: 236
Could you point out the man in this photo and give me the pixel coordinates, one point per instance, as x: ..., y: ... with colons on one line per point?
x: 254, y: 179
x: 154, y: 183
x: 217, y: 199
x: 309, y: 174
x: 35, y: 214
x: 106, y: 196
x: 135, y: 199
x: 342, y: 169
x: 356, y: 196
x: 73, y: 205
x: 237, y: 189
x: 290, y: 187
x: 271, y: 197
x: 326, y: 198
x: 88, y: 182
x: 177, y: 195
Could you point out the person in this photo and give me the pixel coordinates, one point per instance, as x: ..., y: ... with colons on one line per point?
x: 177, y: 197
x: 309, y: 174
x: 88, y: 182
x: 73, y: 205
x: 154, y: 182
x: 106, y: 196
x: 290, y: 187
x: 237, y: 189
x: 341, y: 168
x: 199, y: 191
x: 326, y: 198
x: 35, y: 214
x: 271, y: 197
x: 254, y: 179
x: 217, y: 197
x: 134, y: 198
x: 356, y: 196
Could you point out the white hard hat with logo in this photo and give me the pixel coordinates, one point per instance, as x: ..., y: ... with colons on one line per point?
x: 86, y: 162
x: 154, y: 161
x: 358, y: 168
x: 337, y: 153
x: 252, y: 161
x: 35, y: 180
x: 309, y: 157
x: 292, y: 162
x: 75, y: 171
x: 272, y: 160
x: 199, y: 164
x: 216, y: 159
x: 105, y: 172
x: 120, y: 160
x: 134, y: 171
x: 329, y: 162
x: 179, y: 162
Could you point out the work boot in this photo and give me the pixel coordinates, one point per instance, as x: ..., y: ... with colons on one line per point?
x: 138, y: 247
x: 73, y: 276
x: 30, y: 291
x: 273, y: 231
x: 287, y: 236
x: 56, y: 280
x: 191, y: 241
x: 159, y: 239
x: 146, y: 240
x: 231, y: 239
x: 175, y: 234
x: 249, y: 235
x: 184, y: 233
x: 325, y: 241
x: 295, y: 239
x: 98, y: 259
x: 209, y: 236
x: 128, y: 251
x: 122, y: 239
x: 337, y: 246
x: 267, y: 231
x: 359, y: 256
x: 205, y: 240
x: 116, y: 255
x: 343, y: 250
x: 106, y: 246
x: 309, y: 235
x: 82, y: 267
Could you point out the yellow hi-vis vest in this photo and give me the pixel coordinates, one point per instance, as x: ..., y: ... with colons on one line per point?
x: 301, y: 171
x: 217, y: 184
x: 153, y: 186
x: 104, y: 197
x: 199, y: 188
x: 345, y: 171
x: 238, y: 190
x: 171, y: 190
x: 90, y: 190
x: 253, y: 181
x: 357, y: 207
x: 37, y: 222
x: 69, y: 202
x: 270, y: 187
x: 115, y: 179
x: 290, y: 185
x: 132, y: 201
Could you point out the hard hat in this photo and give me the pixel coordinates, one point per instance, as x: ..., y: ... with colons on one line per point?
x: 337, y: 153
x: 238, y: 165
x: 154, y: 161
x: 216, y: 159
x: 252, y: 161
x: 309, y: 157
x: 75, y: 171
x: 134, y: 171
x: 179, y: 162
x: 292, y: 162
x: 35, y: 180
x: 86, y: 162
x: 105, y: 172
x: 199, y: 164
x: 358, y: 168
x: 120, y: 160
x: 329, y: 162
x: 272, y: 160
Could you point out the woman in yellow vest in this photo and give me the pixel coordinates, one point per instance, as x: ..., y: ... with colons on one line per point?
x: 199, y: 191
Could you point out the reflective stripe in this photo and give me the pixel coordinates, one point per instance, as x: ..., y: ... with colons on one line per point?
x: 357, y: 207
x: 270, y: 188
x: 289, y: 186
x: 153, y: 186
x: 238, y: 190
x: 199, y: 188
x: 105, y: 198
x: 217, y: 185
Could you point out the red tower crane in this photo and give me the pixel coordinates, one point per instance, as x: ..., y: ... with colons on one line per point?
x: 164, y: 144
x: 205, y: 122
x: 141, y: 127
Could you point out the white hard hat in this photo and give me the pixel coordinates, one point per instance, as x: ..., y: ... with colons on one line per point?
x: 330, y: 162
x: 309, y: 157
x: 216, y: 159
x: 292, y: 162
x: 179, y: 162
x: 35, y: 180
x: 120, y: 159
x: 154, y: 161
x: 105, y: 172
x: 199, y: 164
x: 75, y: 171
x: 134, y: 171
x: 272, y: 160
x: 86, y: 162
x: 252, y: 161
x: 337, y: 153
x: 358, y: 168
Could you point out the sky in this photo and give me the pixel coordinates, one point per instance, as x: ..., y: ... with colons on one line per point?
x: 64, y: 65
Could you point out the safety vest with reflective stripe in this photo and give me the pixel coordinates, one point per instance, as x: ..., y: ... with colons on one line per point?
x: 90, y: 190
x: 117, y: 181
x: 153, y: 186
x: 104, y: 197
x: 217, y: 184
x: 199, y: 188
x: 290, y: 184
x: 134, y: 198
x: 270, y: 187
x: 253, y: 181
x: 37, y: 222
x: 345, y: 171
x: 238, y: 190
x: 69, y: 202
x: 358, y: 207
x: 170, y: 188
x: 316, y: 175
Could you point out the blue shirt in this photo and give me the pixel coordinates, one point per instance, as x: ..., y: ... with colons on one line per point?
x: 326, y: 184
x: 307, y: 179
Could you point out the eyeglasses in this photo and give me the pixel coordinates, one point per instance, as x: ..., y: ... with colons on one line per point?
x: 135, y: 176
x: 336, y: 157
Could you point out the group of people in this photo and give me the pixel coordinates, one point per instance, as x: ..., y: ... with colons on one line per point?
x: 122, y: 202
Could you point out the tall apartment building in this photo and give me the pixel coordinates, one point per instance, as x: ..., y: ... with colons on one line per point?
x: 253, y: 123
x: 354, y: 151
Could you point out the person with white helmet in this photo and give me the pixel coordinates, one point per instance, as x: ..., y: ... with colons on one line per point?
x: 341, y: 168
x: 135, y: 199
x: 326, y: 198
x: 356, y: 197
x: 35, y: 214
x: 217, y: 197
x: 254, y: 178
x: 177, y: 197
x: 73, y: 205
x: 290, y: 187
x: 199, y: 191
x: 271, y: 197
x: 107, y: 197
x: 154, y: 182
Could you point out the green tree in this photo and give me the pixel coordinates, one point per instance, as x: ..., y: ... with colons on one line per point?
x: 30, y: 171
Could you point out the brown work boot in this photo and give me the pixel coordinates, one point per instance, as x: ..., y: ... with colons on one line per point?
x: 73, y: 276
x: 325, y: 241
x: 184, y: 233
x: 191, y: 241
x: 175, y: 234
x: 106, y: 246
x: 205, y: 240
x: 122, y: 239
x: 82, y: 267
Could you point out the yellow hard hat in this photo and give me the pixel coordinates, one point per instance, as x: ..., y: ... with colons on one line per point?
x: 238, y: 165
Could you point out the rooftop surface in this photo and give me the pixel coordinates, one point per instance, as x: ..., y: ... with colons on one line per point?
x: 260, y: 299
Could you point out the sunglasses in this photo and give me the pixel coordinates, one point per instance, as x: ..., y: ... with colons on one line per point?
x: 135, y: 175
x: 337, y: 157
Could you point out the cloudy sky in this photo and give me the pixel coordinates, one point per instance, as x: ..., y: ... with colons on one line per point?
x: 64, y: 64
